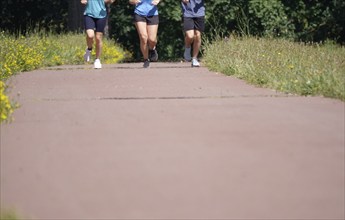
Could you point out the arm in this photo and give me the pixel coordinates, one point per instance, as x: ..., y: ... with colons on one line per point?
x: 109, y: 1
x: 84, y: 2
x: 155, y: 2
x: 134, y: 2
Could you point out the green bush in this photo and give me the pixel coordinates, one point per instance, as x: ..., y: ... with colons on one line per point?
x: 269, y: 18
x: 6, y: 107
x: 301, y: 20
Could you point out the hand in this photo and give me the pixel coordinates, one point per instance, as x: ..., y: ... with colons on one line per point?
x: 84, y: 2
x: 134, y: 2
x: 155, y: 2
x: 185, y: 1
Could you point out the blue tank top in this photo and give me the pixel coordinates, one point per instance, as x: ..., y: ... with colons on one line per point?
x: 194, y: 8
x: 95, y: 9
x: 146, y: 8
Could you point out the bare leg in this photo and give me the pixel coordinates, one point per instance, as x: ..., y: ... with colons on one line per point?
x: 152, y: 35
x: 99, y: 44
x: 189, y: 38
x: 188, y: 41
x: 143, y: 36
x: 90, y: 34
x: 196, y: 43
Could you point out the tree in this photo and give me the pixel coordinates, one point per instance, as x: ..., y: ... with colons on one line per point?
x: 75, y: 15
x: 21, y: 16
x: 300, y: 20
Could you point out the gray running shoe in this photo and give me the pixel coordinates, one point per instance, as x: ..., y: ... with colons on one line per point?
x: 87, y: 55
x: 146, y: 63
x: 153, y: 55
x: 187, y: 55
x: 195, y: 63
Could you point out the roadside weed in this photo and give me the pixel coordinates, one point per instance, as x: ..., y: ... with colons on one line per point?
x: 35, y: 50
x: 304, y: 69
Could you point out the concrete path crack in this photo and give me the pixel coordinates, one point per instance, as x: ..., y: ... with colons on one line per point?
x: 162, y: 98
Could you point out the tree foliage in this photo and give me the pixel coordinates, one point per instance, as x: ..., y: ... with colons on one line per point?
x: 24, y: 15
x: 300, y: 20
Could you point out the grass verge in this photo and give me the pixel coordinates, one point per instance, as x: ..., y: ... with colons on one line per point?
x: 303, y: 69
x: 35, y: 50
x: 8, y: 215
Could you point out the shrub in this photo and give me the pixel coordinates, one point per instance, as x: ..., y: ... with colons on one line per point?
x: 6, y: 108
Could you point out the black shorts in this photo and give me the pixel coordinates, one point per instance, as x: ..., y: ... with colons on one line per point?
x: 150, y: 20
x: 97, y: 24
x: 197, y: 23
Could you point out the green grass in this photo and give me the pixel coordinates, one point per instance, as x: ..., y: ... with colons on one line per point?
x: 40, y: 49
x: 35, y: 50
x: 8, y: 215
x: 297, y: 68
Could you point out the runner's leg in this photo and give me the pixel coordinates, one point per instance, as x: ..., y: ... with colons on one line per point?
x: 196, y: 43
x: 90, y: 34
x: 100, y: 26
x: 99, y: 44
x: 143, y: 36
x: 152, y: 35
x: 189, y: 38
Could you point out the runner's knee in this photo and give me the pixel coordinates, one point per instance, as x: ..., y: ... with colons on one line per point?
x: 152, y: 40
x: 98, y: 37
x: 197, y: 34
x: 143, y: 38
x: 189, y: 36
x: 90, y: 34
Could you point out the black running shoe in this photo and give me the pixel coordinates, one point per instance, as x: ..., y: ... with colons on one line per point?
x: 146, y: 63
x: 153, y: 55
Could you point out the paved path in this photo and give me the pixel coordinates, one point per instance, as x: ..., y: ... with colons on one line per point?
x: 169, y: 142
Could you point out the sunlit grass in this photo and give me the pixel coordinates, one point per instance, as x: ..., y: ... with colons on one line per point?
x: 304, y: 69
x: 8, y: 215
x: 40, y: 49
x: 25, y: 53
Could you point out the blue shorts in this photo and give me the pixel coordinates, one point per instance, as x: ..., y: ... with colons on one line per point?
x: 97, y: 24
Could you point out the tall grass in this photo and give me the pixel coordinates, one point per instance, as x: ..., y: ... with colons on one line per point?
x: 24, y: 53
x: 298, y: 68
x: 8, y: 215
x: 41, y: 49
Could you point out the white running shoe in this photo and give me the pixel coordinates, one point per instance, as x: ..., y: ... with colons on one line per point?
x: 97, y: 64
x: 195, y: 62
x: 87, y: 55
x: 187, y: 55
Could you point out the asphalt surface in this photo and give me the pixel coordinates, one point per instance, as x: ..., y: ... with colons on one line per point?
x: 168, y: 142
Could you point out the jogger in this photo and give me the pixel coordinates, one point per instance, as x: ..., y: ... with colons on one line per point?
x: 146, y: 21
x: 95, y: 18
x: 193, y: 26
